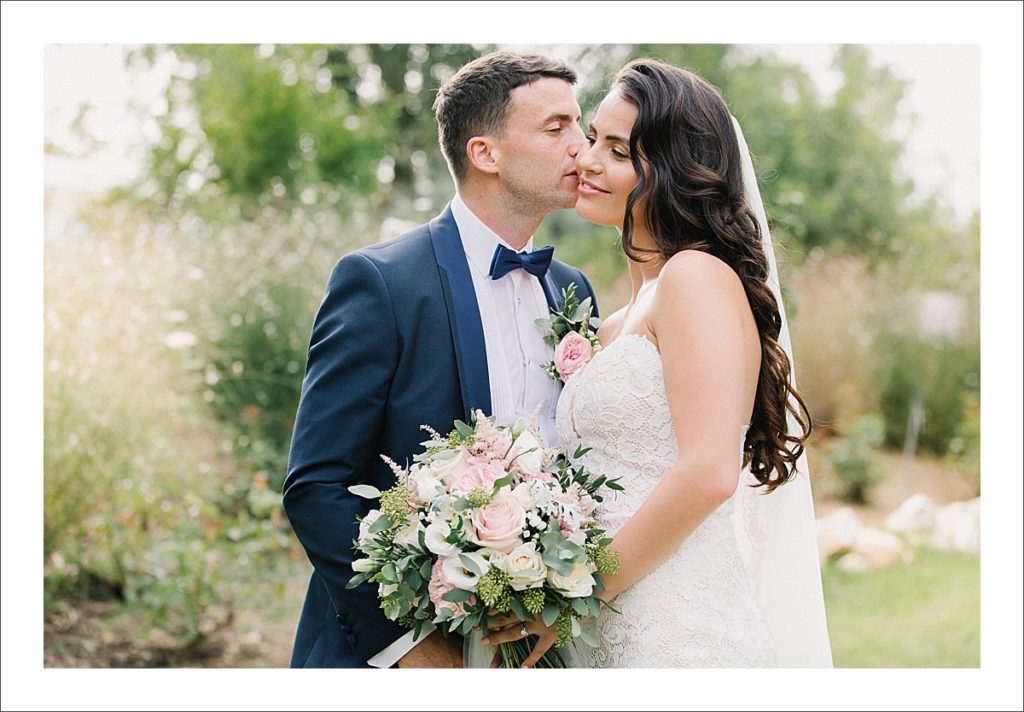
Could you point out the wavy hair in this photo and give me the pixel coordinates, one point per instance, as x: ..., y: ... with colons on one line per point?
x: 686, y: 154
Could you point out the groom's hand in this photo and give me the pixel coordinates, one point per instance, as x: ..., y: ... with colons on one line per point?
x: 435, y: 651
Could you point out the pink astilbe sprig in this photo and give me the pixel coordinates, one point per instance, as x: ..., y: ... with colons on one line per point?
x: 489, y: 443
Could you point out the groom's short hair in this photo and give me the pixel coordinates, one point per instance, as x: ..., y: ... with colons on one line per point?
x: 475, y: 100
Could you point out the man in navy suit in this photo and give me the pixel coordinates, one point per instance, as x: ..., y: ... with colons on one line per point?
x: 425, y: 329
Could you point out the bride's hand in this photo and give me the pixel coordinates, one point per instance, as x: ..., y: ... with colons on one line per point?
x: 509, y: 628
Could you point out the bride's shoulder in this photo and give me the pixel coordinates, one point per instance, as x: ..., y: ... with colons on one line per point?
x: 697, y: 278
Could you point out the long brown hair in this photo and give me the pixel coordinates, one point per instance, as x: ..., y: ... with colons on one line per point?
x: 686, y: 154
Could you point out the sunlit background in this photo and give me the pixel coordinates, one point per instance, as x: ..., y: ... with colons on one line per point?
x: 197, y: 196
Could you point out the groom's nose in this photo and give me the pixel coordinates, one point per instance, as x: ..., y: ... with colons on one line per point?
x: 579, y: 139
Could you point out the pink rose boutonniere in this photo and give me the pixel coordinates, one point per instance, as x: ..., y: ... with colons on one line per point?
x: 572, y: 331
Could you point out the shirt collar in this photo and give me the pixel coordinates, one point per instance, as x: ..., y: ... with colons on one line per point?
x: 478, y: 240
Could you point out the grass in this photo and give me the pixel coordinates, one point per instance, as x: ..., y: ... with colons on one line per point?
x: 925, y: 614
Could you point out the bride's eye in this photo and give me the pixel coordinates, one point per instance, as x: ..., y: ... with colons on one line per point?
x: 619, y: 154
x: 590, y: 140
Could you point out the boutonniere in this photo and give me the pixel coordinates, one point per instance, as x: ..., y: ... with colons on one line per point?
x: 572, y: 331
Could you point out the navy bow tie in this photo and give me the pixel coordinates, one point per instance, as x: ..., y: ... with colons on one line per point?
x: 506, y: 260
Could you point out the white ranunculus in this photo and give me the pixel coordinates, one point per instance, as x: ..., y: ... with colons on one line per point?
x: 525, y: 567
x: 528, y: 462
x: 409, y: 535
x: 459, y: 576
x: 579, y: 583
x: 366, y: 523
x: 447, y: 470
x: 363, y: 565
x: 434, y: 537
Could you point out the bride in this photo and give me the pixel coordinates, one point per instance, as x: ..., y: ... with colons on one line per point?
x: 691, y: 400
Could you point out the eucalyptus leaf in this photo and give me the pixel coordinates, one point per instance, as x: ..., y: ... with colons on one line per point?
x: 550, y: 613
x: 471, y: 565
x: 579, y: 606
x: 517, y: 608
x: 464, y: 430
x: 587, y: 637
x: 457, y: 595
x: 365, y: 491
x: 358, y: 579
x: 576, y: 629
x: 382, y: 523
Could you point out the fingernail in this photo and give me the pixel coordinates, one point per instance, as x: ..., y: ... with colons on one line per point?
x: 486, y: 641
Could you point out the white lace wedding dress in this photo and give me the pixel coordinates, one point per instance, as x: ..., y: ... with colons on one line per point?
x: 696, y: 609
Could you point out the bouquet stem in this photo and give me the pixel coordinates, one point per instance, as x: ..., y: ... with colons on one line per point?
x: 515, y: 652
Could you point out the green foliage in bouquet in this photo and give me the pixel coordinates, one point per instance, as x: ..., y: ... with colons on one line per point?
x: 427, y: 554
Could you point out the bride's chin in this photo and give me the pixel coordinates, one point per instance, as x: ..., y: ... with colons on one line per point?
x: 589, y: 215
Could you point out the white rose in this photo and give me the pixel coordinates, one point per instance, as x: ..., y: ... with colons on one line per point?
x: 447, y: 470
x: 493, y: 556
x: 435, y: 535
x: 459, y: 576
x: 409, y: 535
x: 366, y: 523
x: 363, y: 565
x: 427, y: 486
x: 528, y: 462
x: 579, y: 583
x: 524, y: 493
x: 525, y: 567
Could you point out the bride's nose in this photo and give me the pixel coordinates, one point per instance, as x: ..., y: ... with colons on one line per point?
x: 585, y: 160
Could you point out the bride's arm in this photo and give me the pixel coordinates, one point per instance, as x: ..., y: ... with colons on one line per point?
x: 702, y: 321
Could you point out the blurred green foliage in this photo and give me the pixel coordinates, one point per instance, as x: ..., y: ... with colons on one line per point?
x: 852, y: 459
x: 178, y: 320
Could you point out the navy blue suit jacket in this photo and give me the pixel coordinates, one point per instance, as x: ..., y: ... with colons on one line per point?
x: 397, y: 343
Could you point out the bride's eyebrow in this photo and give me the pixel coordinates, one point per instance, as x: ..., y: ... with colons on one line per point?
x: 609, y: 137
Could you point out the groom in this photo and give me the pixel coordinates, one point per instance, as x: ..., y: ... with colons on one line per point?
x: 426, y: 328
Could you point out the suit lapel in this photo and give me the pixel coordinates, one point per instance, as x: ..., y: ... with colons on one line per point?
x: 551, y: 290
x: 463, y: 313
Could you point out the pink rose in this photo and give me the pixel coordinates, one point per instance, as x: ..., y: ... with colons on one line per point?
x: 484, y: 475
x: 439, y: 586
x: 572, y: 353
x: 499, y: 524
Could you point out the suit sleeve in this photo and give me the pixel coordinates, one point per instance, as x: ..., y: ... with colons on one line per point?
x: 353, y: 352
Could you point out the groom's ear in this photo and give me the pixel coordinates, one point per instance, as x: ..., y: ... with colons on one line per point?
x: 483, y: 154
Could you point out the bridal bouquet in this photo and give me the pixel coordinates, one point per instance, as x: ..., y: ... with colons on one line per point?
x: 487, y: 521
x: 572, y: 330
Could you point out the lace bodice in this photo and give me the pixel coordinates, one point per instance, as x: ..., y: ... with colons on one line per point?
x: 695, y: 609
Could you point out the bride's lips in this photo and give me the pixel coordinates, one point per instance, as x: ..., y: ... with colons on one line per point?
x: 588, y: 188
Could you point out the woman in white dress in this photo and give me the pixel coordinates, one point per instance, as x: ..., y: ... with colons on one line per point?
x: 691, y: 392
